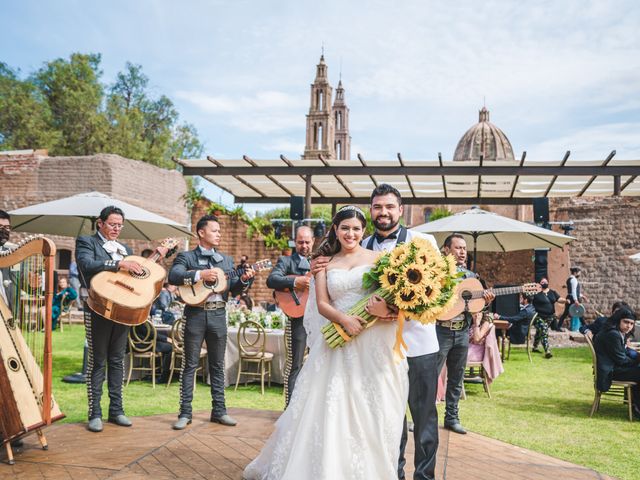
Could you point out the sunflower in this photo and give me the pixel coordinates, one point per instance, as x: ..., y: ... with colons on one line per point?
x: 414, y: 276
x: 428, y: 316
x: 430, y: 292
x: 405, y: 299
x: 389, y: 279
x: 451, y: 263
x: 399, y: 255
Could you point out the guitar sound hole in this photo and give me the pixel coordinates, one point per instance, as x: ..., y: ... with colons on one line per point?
x: 14, y: 364
x: 466, y: 295
x: 210, y: 285
x: 145, y: 274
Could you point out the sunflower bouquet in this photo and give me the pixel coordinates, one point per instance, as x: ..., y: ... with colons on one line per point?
x: 414, y: 277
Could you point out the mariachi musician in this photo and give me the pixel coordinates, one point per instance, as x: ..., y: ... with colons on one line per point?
x: 106, y: 340
x: 206, y: 323
x: 290, y: 275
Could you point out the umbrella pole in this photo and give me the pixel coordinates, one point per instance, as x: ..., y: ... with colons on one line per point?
x: 475, y: 250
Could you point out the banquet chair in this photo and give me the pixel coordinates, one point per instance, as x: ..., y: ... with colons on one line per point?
x: 142, y: 346
x: 619, y: 388
x: 527, y: 343
x: 65, y: 311
x: 252, y: 341
x: 177, y: 353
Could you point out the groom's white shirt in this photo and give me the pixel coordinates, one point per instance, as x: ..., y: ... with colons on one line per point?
x: 420, y: 339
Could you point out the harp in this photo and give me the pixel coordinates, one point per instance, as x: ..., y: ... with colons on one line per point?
x: 26, y: 402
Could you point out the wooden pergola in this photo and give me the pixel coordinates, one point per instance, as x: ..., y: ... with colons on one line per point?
x: 423, y: 182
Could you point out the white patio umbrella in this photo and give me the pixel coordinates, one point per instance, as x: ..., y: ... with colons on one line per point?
x: 491, y: 232
x: 76, y: 215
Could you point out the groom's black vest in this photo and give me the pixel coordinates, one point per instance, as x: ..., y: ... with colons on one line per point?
x: 402, y: 237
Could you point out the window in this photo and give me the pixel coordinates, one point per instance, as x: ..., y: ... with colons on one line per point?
x: 63, y: 259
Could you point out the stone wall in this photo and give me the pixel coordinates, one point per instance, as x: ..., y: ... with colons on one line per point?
x: 32, y: 177
x: 607, y: 231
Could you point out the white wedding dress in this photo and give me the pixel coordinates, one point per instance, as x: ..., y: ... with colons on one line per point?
x: 345, y: 417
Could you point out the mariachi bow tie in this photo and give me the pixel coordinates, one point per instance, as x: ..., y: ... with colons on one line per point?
x: 392, y: 236
x: 111, y: 247
x: 211, y: 254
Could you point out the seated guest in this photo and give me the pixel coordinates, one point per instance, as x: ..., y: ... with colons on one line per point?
x: 245, y: 301
x: 613, y: 361
x: 520, y: 321
x: 483, y: 348
x: 163, y: 346
x: 600, y: 321
x: 163, y: 302
x: 64, y: 292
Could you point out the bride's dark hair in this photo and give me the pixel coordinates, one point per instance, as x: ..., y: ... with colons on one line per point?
x: 330, y: 244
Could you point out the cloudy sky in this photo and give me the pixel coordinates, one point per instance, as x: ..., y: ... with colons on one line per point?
x: 556, y: 75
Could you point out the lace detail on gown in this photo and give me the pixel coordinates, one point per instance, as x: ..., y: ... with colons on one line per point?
x: 346, y: 413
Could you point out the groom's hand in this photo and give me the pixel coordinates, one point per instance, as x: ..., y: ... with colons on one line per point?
x: 318, y: 264
x: 377, y: 307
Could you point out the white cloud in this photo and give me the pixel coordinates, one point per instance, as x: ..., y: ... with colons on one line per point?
x: 284, y: 145
x: 592, y: 143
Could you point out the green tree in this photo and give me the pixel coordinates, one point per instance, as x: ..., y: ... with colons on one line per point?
x: 63, y: 107
x: 74, y: 94
x: 25, y: 118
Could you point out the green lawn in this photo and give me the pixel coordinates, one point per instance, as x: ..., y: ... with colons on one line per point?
x: 542, y: 406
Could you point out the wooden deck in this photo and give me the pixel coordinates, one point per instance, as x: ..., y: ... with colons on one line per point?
x: 151, y: 449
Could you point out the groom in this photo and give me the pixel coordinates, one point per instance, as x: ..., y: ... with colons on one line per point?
x: 422, y: 341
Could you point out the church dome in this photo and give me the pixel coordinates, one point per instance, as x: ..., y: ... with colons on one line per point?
x: 484, y: 140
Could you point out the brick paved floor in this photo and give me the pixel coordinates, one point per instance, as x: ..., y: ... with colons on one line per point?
x: 151, y: 449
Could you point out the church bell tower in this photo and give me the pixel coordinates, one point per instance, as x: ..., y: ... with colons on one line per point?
x: 320, y: 119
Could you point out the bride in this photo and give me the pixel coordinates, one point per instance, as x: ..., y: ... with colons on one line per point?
x: 345, y: 417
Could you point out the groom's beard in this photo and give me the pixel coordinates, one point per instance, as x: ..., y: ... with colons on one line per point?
x: 385, y: 227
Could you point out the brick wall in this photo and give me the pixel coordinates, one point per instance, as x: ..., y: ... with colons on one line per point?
x: 234, y: 242
x: 34, y: 177
x: 607, y: 231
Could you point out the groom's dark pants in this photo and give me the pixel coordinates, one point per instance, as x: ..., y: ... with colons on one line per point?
x: 423, y: 386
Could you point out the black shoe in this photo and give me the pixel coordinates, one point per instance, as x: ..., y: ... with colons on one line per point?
x: 548, y: 355
x: 536, y: 350
x: 120, y: 420
x: 226, y: 420
x: 456, y: 428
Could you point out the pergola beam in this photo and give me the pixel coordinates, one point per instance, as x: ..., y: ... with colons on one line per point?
x: 555, y: 177
x: 367, y: 167
x: 407, y: 200
x: 515, y: 183
x: 237, y: 176
x: 604, y: 164
x: 454, y: 171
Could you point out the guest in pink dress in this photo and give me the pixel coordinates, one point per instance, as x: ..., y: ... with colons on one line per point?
x: 483, y: 347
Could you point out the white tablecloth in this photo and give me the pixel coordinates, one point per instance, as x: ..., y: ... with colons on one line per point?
x: 275, y: 345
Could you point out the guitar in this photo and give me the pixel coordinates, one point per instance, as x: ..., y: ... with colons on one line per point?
x: 470, y: 296
x: 126, y: 297
x: 292, y: 303
x: 197, y: 293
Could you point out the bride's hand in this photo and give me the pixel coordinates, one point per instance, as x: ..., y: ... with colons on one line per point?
x: 352, y: 324
x: 377, y: 307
